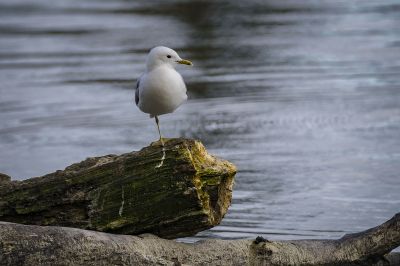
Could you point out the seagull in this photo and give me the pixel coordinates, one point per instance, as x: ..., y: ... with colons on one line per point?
x: 161, y: 89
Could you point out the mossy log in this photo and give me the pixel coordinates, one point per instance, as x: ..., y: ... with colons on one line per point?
x: 171, y: 191
x: 50, y: 245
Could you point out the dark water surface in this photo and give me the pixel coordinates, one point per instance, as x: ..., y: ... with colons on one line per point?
x: 303, y: 96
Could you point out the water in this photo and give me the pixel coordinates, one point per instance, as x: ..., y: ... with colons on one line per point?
x: 303, y: 96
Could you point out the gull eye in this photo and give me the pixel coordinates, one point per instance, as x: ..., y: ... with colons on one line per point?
x: 168, y: 56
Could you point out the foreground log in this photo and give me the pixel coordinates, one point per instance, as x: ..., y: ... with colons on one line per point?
x: 39, y: 245
x: 172, y: 192
x: 365, y: 248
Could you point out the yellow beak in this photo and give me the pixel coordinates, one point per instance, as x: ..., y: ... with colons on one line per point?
x: 185, y: 62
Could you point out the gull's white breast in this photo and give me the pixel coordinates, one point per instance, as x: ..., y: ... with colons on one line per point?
x: 161, y: 91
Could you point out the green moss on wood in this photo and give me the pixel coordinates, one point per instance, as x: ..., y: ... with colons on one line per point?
x: 128, y: 193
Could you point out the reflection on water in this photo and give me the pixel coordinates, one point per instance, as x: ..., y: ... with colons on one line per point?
x: 303, y: 96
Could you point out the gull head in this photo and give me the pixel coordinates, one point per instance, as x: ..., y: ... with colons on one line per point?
x: 164, y: 56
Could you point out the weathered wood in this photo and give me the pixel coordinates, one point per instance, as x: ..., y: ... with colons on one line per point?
x: 4, y: 178
x: 39, y: 245
x: 364, y: 248
x: 172, y: 192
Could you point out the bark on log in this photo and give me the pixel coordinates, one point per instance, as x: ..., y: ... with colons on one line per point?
x: 172, y: 192
x: 39, y: 245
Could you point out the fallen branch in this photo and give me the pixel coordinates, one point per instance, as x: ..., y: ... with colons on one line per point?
x: 39, y: 245
x: 365, y: 248
x: 172, y: 191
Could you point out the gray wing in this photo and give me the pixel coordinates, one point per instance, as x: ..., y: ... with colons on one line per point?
x: 137, y: 91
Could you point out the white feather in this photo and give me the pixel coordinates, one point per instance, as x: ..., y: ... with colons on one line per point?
x: 161, y: 87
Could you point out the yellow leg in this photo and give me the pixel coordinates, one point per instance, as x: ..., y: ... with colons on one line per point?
x: 159, y: 132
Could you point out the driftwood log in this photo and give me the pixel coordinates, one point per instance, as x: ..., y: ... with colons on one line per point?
x: 49, y: 245
x: 172, y: 191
